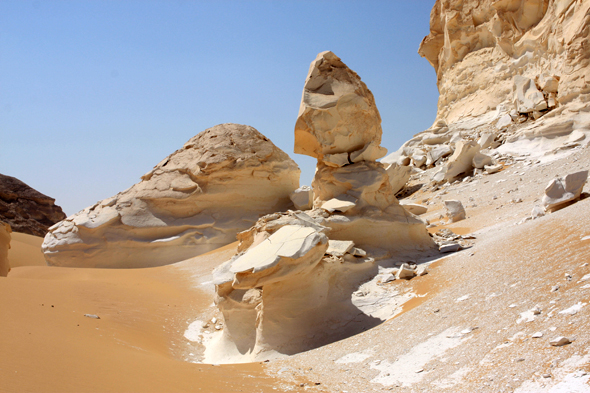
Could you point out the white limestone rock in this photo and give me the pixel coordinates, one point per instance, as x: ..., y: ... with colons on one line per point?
x: 195, y: 200
x: 455, y: 210
x: 414, y: 208
x: 5, y: 238
x: 302, y: 198
x: 493, y: 168
x: 527, y: 97
x: 337, y: 113
x: 398, y: 176
x: 338, y: 248
x: 405, y: 272
x: 462, y: 159
x: 486, y: 140
x: 559, y: 192
x: 480, y: 160
x: 436, y: 153
x: 503, y: 122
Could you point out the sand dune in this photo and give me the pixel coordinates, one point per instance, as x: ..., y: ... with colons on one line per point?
x: 25, y: 250
x: 48, y: 345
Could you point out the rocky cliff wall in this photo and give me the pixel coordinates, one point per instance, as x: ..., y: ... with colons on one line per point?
x: 477, y: 47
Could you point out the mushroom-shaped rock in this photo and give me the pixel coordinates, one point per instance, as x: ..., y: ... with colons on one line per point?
x: 337, y: 114
x: 4, y: 247
x: 559, y: 192
x: 195, y: 200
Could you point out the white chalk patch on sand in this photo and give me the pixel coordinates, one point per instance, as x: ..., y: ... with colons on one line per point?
x: 194, y: 331
x: 355, y: 357
x: 573, y: 310
x: 453, y: 379
x: 403, y: 370
x: 569, y: 377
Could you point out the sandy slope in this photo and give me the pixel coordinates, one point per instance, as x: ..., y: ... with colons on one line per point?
x: 25, y: 250
x: 48, y: 345
x: 470, y: 332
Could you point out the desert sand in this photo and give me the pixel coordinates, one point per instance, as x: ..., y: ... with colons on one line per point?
x: 48, y: 345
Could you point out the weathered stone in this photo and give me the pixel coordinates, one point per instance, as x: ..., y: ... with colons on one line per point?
x: 414, y: 208
x: 527, y: 97
x: 4, y: 247
x: 195, y: 200
x: 338, y: 248
x: 342, y: 204
x: 398, y: 176
x: 560, y: 341
x: 450, y: 247
x: 405, y: 272
x: 561, y: 191
x: 462, y: 159
x: 338, y: 113
x: 455, y: 210
x: 537, y: 212
x: 25, y: 209
x: 493, y: 168
x: 481, y: 160
x: 486, y: 140
x: 437, y: 153
x: 302, y: 198
x: 503, y: 122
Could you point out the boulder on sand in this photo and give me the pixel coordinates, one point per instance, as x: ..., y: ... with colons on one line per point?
x: 194, y: 201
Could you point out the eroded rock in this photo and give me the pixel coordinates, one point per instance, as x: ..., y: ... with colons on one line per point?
x: 5, y: 238
x: 455, y: 210
x: 25, y: 209
x: 194, y: 201
x: 561, y: 191
x: 338, y: 115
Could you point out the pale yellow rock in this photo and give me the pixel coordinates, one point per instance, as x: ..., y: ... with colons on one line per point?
x: 5, y: 231
x: 477, y: 47
x: 337, y: 113
x: 462, y: 159
x: 195, y: 200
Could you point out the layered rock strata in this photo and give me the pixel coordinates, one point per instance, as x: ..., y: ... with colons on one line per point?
x: 289, y: 288
x: 26, y: 209
x: 196, y: 200
x: 4, y: 247
x: 514, y: 80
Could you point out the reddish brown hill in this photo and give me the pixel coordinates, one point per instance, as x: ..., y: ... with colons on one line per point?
x: 26, y: 209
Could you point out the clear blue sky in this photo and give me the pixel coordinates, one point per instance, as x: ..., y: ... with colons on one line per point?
x: 93, y: 94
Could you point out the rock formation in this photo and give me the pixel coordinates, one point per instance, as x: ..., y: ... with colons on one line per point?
x: 488, y: 54
x: 4, y: 247
x: 196, y: 200
x: 562, y: 191
x: 289, y: 288
x: 26, y: 209
x: 513, y: 78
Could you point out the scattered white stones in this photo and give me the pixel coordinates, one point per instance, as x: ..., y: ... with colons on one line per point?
x: 462, y: 298
x: 573, y: 310
x: 585, y: 278
x: 338, y: 248
x: 537, y: 335
x: 93, y: 316
x: 450, y: 247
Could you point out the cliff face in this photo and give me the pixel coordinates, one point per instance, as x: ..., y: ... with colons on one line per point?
x: 477, y: 47
x: 26, y: 209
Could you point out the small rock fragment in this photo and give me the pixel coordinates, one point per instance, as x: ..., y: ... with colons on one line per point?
x: 455, y: 210
x: 560, y: 341
x: 93, y: 316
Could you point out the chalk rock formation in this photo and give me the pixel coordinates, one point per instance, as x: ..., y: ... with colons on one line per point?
x: 513, y: 77
x: 338, y: 121
x: 524, y: 52
x: 561, y: 191
x: 4, y: 247
x: 26, y: 209
x: 290, y: 286
x: 194, y: 201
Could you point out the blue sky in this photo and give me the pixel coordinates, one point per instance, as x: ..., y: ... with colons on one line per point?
x: 93, y: 94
